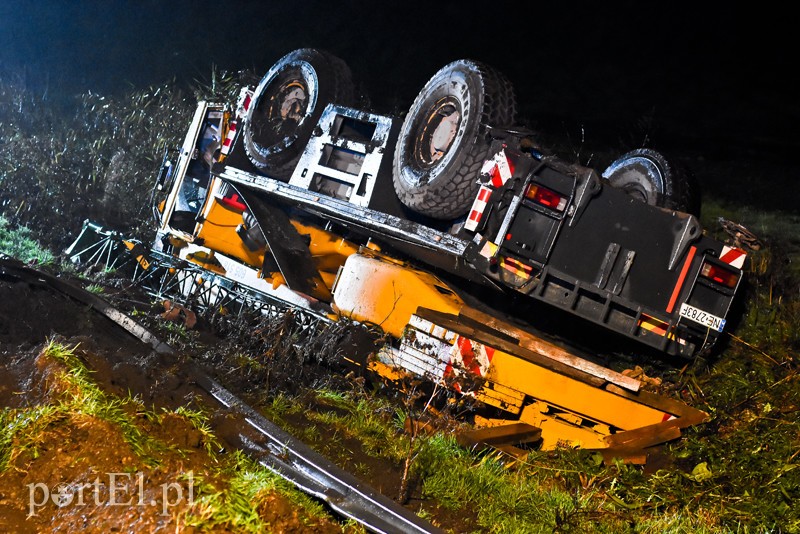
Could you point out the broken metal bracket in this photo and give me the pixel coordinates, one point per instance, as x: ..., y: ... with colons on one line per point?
x: 288, y: 248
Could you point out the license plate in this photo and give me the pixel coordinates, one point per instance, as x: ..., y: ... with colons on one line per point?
x: 699, y: 316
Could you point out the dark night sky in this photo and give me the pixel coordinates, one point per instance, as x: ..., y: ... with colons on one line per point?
x: 716, y: 74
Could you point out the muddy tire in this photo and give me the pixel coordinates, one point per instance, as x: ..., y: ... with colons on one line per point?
x: 442, y: 143
x: 287, y: 105
x: 648, y: 176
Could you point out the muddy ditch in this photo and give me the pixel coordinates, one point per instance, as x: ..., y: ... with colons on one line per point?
x: 255, y: 359
x: 77, y: 471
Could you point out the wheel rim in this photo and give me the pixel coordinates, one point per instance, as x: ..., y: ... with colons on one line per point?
x: 638, y: 191
x: 281, y: 109
x: 293, y: 101
x: 437, y: 132
x: 640, y: 177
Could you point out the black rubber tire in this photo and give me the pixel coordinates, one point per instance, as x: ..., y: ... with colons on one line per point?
x: 453, y: 108
x: 287, y: 105
x: 648, y: 176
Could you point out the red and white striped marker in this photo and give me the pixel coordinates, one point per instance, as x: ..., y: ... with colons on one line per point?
x: 468, y: 356
x: 478, y: 207
x: 733, y: 256
x: 499, y: 169
x: 242, y: 105
x: 228, y: 143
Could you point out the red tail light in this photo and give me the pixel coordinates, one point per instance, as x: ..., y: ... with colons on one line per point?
x: 719, y: 275
x: 545, y: 197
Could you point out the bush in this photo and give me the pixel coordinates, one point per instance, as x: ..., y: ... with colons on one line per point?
x: 90, y: 156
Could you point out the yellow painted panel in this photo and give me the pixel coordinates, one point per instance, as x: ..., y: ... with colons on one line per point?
x: 387, y: 294
x: 218, y: 232
x: 570, y: 394
x: 557, y: 433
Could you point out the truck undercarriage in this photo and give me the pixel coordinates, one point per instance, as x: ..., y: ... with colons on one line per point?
x: 449, y: 214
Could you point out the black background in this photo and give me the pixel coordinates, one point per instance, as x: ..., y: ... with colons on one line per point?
x: 622, y: 73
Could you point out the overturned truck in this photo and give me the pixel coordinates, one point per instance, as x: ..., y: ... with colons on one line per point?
x: 443, y: 229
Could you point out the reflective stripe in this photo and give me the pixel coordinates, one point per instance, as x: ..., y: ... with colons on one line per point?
x: 243, y: 105
x: 499, y: 169
x: 651, y: 324
x: 503, y: 168
x: 470, y: 356
x: 478, y: 207
x: 733, y: 256
x: 226, y: 146
x: 681, y: 279
x: 516, y: 267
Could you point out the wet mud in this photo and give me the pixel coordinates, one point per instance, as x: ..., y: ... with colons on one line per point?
x: 255, y: 359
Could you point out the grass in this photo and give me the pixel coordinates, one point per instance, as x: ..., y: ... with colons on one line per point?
x: 77, y: 395
x: 199, y: 421
x: 738, y: 473
x: 97, y: 289
x: 250, y: 487
x: 373, y: 421
x: 500, y: 498
x: 232, y: 492
x: 19, y: 243
x: 22, y: 431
